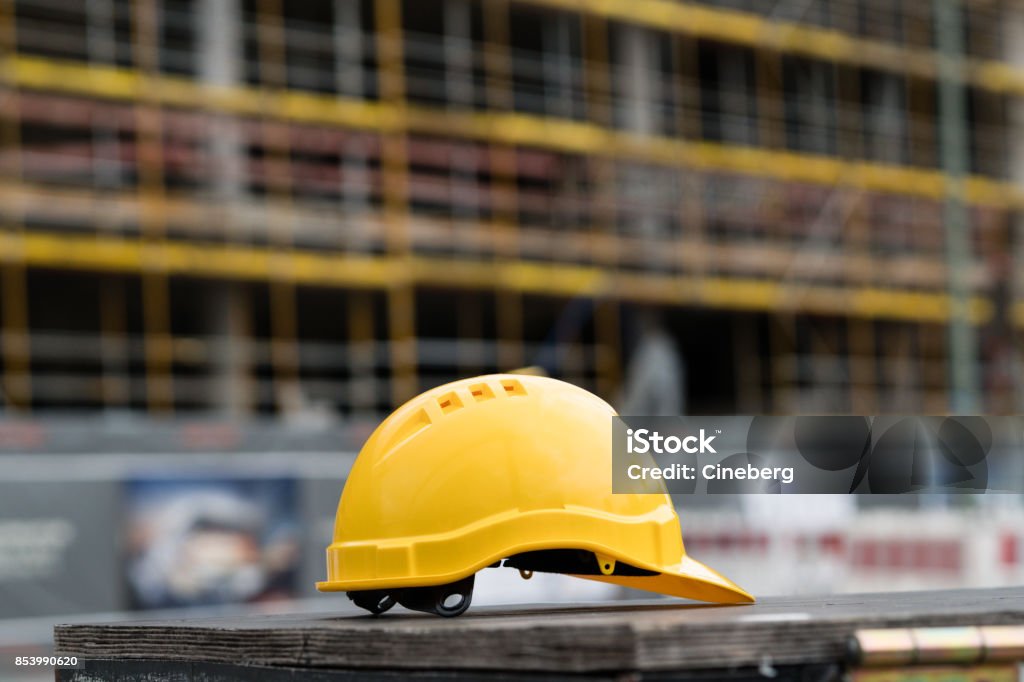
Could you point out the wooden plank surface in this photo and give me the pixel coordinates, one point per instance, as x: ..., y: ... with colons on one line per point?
x: 633, y: 636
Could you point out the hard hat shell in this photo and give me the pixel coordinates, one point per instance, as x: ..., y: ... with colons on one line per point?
x: 481, y: 469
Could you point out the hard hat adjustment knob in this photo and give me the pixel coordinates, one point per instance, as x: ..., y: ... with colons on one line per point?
x: 451, y: 599
x: 374, y: 601
x: 448, y: 600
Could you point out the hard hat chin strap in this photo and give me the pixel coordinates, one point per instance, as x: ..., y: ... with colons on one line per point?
x: 447, y: 600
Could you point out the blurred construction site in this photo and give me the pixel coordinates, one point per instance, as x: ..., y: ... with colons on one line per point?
x: 234, y: 234
x: 325, y: 207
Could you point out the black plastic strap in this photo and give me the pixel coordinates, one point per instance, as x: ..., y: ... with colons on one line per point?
x: 447, y: 600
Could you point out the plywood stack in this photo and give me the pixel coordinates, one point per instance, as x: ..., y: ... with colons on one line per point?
x: 783, y: 637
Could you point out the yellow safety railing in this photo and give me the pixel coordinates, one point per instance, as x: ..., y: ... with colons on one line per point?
x: 321, y: 268
x: 751, y: 30
x: 501, y: 127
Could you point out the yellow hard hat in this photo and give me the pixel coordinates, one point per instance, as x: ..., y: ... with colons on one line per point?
x: 501, y: 467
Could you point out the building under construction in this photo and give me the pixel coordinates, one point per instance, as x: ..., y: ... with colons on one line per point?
x: 252, y: 206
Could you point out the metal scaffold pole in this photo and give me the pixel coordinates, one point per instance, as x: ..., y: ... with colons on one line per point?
x: 151, y: 193
x: 952, y: 111
x: 15, y: 349
x: 394, y: 160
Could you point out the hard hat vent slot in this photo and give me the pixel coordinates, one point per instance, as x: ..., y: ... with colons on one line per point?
x: 513, y: 387
x: 416, y: 423
x: 449, y: 402
x: 481, y: 392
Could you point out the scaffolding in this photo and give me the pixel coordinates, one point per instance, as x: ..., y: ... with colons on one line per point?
x: 256, y: 206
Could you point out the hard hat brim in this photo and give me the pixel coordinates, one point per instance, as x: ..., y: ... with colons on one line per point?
x: 689, y: 579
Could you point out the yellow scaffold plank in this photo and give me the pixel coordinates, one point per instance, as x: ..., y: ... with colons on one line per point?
x: 101, y: 253
x: 321, y: 268
x: 565, y: 136
x: 752, y: 30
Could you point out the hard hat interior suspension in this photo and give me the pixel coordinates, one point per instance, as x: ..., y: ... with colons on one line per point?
x: 452, y: 599
x: 572, y: 562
